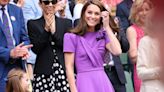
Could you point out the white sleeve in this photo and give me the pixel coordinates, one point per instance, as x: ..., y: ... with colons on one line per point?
x: 144, y: 60
x: 77, y: 11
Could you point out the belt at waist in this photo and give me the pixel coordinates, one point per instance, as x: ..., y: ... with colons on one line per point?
x: 89, y: 70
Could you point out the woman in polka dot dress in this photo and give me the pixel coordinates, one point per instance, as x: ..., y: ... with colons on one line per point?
x: 46, y: 34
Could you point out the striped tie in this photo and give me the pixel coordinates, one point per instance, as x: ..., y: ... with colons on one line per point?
x: 7, y: 29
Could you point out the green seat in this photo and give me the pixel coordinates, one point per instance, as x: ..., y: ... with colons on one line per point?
x: 129, y: 84
x: 124, y: 58
x: 128, y: 74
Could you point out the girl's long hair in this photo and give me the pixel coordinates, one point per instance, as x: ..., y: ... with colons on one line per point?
x: 14, y: 80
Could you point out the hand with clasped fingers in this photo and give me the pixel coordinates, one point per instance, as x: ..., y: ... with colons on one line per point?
x: 105, y: 18
x: 20, y: 51
x: 49, y: 22
x: 50, y: 19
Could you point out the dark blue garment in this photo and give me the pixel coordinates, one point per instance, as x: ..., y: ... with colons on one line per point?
x: 19, y: 35
x: 122, y: 12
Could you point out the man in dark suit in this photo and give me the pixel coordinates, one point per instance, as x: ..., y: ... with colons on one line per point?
x: 13, y: 40
x: 122, y: 11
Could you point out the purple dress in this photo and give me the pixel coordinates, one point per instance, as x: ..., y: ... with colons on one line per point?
x: 89, y: 53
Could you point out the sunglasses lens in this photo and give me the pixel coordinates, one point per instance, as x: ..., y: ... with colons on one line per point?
x: 48, y: 2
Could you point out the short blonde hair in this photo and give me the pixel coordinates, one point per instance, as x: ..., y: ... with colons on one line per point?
x: 136, y: 7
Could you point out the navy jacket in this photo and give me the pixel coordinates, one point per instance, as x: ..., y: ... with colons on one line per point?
x: 19, y: 34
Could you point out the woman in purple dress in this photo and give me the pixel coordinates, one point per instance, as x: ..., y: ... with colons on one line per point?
x: 85, y: 47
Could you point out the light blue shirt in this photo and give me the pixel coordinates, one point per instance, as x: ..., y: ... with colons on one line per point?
x: 31, y: 10
x: 77, y: 11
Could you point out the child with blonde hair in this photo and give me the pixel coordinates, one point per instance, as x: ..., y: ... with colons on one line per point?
x: 18, y: 81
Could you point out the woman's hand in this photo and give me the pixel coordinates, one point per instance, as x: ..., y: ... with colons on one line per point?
x: 105, y: 18
x: 49, y: 22
x: 60, y: 7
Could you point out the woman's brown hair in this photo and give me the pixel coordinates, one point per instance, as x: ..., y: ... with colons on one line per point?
x: 82, y: 26
x: 14, y: 80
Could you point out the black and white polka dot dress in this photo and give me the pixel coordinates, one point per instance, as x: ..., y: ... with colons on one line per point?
x: 56, y: 82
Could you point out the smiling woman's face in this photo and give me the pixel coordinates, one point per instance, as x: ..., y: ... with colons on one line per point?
x: 145, y: 9
x: 92, y: 15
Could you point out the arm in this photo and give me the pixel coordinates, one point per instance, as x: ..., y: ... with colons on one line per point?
x: 20, y: 51
x: 69, y: 54
x: 148, y: 74
x: 131, y: 35
x: 113, y: 46
x: 6, y: 53
x: 30, y: 71
x: 145, y: 59
x: 69, y: 63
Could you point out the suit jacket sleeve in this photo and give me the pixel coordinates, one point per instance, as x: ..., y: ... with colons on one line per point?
x: 123, y: 41
x: 4, y: 54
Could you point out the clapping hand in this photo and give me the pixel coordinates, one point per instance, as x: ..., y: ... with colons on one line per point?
x: 49, y: 19
x: 21, y: 51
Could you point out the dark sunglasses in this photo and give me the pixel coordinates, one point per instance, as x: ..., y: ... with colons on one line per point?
x: 48, y: 2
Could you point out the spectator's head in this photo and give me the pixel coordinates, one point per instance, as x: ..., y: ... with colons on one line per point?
x: 90, y: 17
x: 4, y: 2
x: 48, y: 6
x: 17, y: 81
x: 48, y: 1
x: 139, y: 10
x: 91, y: 13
